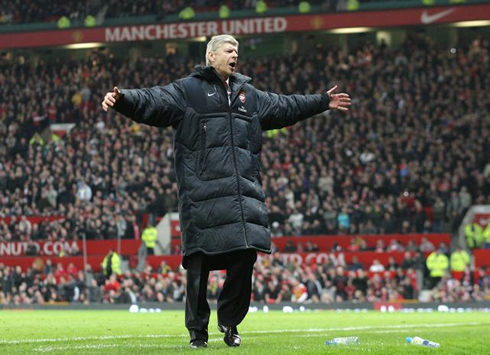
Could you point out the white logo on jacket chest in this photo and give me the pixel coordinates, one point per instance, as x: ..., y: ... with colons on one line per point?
x: 241, y: 108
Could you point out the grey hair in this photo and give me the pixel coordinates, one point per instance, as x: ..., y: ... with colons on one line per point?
x: 218, y: 41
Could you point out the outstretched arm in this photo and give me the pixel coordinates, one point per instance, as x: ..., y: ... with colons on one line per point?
x: 277, y: 111
x: 159, y: 106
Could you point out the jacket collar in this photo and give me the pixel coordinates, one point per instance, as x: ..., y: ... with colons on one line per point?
x: 210, y: 74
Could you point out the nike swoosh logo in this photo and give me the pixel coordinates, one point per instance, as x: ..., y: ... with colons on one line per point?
x: 428, y: 19
x: 211, y: 94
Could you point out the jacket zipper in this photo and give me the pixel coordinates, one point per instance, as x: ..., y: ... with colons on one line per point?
x: 203, y: 148
x: 236, y: 168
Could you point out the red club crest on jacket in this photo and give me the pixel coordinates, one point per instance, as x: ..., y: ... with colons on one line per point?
x: 241, y: 96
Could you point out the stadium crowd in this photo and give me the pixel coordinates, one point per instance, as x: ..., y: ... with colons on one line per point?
x: 411, y: 156
x: 275, y: 280
x: 15, y: 12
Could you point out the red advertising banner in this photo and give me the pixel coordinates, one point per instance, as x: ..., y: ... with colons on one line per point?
x: 482, y: 257
x: 130, y: 247
x: 55, y: 248
x: 326, y: 242
x: 365, y: 257
x: 42, y: 248
x: 102, y: 247
x: 34, y: 219
x: 248, y: 26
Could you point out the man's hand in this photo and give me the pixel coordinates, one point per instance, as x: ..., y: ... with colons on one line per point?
x: 111, y: 98
x: 338, y: 101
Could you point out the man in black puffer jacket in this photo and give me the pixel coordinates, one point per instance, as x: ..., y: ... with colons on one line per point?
x: 218, y: 118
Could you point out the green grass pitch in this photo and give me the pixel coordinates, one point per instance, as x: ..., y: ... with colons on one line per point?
x: 122, y: 332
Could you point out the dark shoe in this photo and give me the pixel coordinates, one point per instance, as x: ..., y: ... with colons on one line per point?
x: 232, y: 338
x: 198, y: 343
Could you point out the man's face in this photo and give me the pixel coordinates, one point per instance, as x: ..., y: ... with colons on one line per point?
x: 224, y: 60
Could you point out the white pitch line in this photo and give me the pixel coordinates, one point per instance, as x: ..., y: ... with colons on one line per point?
x: 47, y: 349
x: 310, y: 330
x: 49, y: 340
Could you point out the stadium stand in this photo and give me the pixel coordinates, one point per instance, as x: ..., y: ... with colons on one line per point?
x: 76, y: 11
x: 365, y: 173
x: 411, y: 157
x: 122, y: 11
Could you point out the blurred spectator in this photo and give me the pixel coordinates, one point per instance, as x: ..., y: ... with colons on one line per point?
x: 290, y: 247
x: 25, y: 226
x: 311, y: 247
x: 376, y: 266
x: 355, y: 264
x: 438, y: 264
x: 343, y: 220
x: 395, y: 245
x: 276, y: 230
x: 259, y: 291
x: 299, y: 291
x: 111, y: 264
x: 94, y: 293
x: 355, y: 245
x: 411, y: 246
x: 474, y: 235
x: 296, y: 221
x: 339, y: 282
x: 444, y: 248
x: 164, y: 268
x: 380, y: 246
x: 407, y: 262
x: 149, y: 237
x: 313, y: 288
x: 460, y: 259
x: 392, y: 264
x: 426, y: 246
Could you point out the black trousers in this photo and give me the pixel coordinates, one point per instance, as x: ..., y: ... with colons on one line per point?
x: 234, y: 299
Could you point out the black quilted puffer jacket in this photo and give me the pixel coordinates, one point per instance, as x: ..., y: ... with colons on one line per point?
x: 217, y: 149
